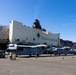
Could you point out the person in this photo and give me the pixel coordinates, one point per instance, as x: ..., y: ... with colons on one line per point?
x: 36, y: 55
x: 11, y: 55
x: 14, y: 56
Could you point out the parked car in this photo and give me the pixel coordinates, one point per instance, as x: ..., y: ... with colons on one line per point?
x: 2, y: 54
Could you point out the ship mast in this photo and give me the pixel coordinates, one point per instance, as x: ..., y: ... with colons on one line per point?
x: 36, y: 24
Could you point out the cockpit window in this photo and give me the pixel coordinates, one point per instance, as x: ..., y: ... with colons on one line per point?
x: 11, y: 45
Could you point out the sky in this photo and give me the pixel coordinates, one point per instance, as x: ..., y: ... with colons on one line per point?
x: 56, y: 16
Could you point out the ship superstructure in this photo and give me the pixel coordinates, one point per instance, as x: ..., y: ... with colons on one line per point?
x: 19, y: 33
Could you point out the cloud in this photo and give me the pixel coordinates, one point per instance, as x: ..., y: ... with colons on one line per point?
x: 73, y: 17
x: 64, y: 24
x: 74, y: 24
x: 37, y: 9
x: 69, y: 24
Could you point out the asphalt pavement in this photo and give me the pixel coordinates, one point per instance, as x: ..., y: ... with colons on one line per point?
x: 43, y: 65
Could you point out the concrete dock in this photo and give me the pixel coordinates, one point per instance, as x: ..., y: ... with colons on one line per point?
x: 61, y: 65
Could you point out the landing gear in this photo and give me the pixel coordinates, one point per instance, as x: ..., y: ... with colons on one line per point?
x: 65, y: 54
x: 59, y: 54
x: 29, y: 55
x: 37, y: 55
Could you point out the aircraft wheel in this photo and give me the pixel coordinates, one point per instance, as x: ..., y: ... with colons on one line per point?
x: 29, y: 55
x: 65, y: 54
x: 37, y: 55
x: 59, y: 54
